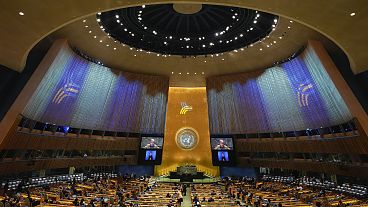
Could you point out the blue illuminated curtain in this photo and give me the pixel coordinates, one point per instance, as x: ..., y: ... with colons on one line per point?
x: 78, y: 93
x: 295, y: 95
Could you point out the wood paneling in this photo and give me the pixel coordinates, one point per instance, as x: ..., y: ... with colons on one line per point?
x: 357, y: 145
x: 330, y: 168
x: 22, y: 166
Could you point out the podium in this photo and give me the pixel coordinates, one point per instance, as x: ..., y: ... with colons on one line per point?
x: 186, y: 173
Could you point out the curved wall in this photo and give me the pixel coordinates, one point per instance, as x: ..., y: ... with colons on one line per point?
x: 79, y: 93
x: 295, y: 95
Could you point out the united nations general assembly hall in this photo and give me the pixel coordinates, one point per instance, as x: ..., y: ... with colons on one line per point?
x: 172, y: 103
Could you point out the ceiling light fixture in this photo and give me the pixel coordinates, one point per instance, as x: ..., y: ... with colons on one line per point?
x: 352, y: 14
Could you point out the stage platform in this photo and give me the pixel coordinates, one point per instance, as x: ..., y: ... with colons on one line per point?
x: 166, y: 179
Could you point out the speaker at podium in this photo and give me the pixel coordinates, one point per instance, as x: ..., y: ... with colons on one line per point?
x: 187, y: 173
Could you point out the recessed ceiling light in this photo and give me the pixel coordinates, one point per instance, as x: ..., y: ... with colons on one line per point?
x: 260, y: 49
x: 352, y: 14
x: 172, y: 72
x: 107, y: 45
x: 100, y: 40
x: 202, y: 73
x: 289, y: 27
x: 86, y: 26
x: 89, y: 31
x: 187, y: 73
x: 114, y: 48
x: 291, y: 21
x: 135, y: 55
x: 179, y: 73
x: 222, y: 59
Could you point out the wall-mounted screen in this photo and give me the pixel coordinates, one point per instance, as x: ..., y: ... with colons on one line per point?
x: 152, y: 142
x: 223, y: 156
x: 222, y: 143
x: 150, y: 155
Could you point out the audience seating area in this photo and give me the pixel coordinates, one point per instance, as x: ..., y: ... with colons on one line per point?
x: 210, y: 195
x: 108, y: 189
x: 277, y: 193
x: 160, y: 195
x: 346, y: 188
x: 89, y: 192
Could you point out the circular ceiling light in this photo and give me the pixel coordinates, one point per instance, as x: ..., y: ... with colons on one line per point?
x: 187, y: 29
x: 187, y: 8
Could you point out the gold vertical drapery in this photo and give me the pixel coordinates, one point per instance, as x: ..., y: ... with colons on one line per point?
x: 196, y: 119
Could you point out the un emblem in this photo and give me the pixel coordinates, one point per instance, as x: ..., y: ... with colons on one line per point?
x: 187, y: 138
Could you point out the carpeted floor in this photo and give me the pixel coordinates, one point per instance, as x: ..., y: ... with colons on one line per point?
x: 187, y: 201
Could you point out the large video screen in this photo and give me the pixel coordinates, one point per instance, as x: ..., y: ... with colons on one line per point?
x: 222, y: 143
x: 152, y: 142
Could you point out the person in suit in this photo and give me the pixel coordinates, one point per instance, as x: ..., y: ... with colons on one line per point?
x: 221, y: 145
x: 151, y: 145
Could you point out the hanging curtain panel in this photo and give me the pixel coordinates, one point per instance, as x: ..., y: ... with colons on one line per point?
x: 295, y: 95
x: 79, y: 93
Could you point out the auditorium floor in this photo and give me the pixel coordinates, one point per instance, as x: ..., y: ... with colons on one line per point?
x: 187, y: 201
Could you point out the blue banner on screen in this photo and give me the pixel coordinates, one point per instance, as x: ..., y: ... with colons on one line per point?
x: 150, y: 155
x: 223, y: 156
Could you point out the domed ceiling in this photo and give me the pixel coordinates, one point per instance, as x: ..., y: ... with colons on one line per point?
x: 187, y: 29
x: 25, y: 23
x: 220, y: 40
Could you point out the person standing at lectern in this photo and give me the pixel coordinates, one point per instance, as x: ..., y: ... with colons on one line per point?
x: 150, y: 156
x: 223, y: 158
